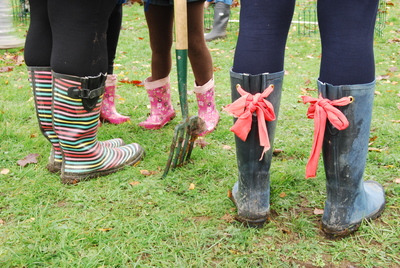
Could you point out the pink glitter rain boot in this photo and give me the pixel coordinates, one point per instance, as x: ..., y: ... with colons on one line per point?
x: 161, y: 110
x: 108, y: 111
x: 206, y: 103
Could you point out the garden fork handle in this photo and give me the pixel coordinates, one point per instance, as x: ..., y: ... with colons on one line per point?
x: 181, y: 47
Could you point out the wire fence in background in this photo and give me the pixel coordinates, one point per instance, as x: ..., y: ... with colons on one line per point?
x: 20, y: 10
x: 306, y: 21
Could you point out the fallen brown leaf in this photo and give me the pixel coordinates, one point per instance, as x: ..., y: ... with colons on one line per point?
x: 133, y: 183
x: 396, y: 180
x: 282, y: 195
x: 307, y: 82
x: 373, y: 149
x: 201, y: 142
x: 133, y: 82
x: 226, y: 147
x: 6, y: 69
x: 229, y: 194
x: 4, y: 171
x: 318, y: 211
x: 228, y: 218
x: 373, y: 138
x: 147, y: 173
x: 277, y: 151
x: 29, y: 159
x: 192, y: 186
x: 382, y: 77
x: 105, y: 229
x: 394, y: 40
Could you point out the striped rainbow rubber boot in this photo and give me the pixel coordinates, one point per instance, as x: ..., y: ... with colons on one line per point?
x: 40, y: 79
x: 76, y: 111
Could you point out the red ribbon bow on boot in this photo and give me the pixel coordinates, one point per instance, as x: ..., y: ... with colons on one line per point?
x: 320, y: 110
x: 244, y: 107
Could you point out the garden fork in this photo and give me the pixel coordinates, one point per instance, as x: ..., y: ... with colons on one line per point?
x: 187, y: 131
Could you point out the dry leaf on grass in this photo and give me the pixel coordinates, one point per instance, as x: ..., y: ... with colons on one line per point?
x: 29, y: 159
x: 192, y: 186
x: 372, y: 149
x: 228, y: 218
x: 133, y: 82
x: 201, y: 142
x: 4, y: 171
x: 318, y: 211
x: 226, y: 147
x: 105, y: 229
x: 145, y: 172
x: 133, y: 183
x: 6, y: 69
x: 373, y: 138
x: 229, y: 194
x: 396, y: 180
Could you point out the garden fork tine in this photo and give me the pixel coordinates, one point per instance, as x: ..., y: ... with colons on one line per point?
x: 187, y: 131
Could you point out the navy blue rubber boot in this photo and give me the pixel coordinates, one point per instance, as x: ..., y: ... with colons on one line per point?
x: 251, y: 193
x: 350, y: 199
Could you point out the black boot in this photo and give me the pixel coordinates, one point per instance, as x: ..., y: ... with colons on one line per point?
x: 251, y: 193
x: 350, y: 200
x: 222, y: 12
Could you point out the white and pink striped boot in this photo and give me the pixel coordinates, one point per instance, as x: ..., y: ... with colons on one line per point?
x: 161, y: 110
x: 206, y: 103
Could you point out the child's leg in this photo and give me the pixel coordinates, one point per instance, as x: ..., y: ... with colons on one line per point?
x: 108, y: 111
x: 201, y: 62
x: 160, y: 23
x: 199, y: 55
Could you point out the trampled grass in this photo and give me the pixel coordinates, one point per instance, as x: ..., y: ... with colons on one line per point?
x: 128, y: 219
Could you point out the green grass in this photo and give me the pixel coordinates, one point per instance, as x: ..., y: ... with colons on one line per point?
x: 108, y: 222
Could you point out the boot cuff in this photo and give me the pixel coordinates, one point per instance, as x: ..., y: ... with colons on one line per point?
x: 268, y: 76
x: 39, y: 68
x: 111, y: 80
x: 204, y: 88
x: 155, y: 84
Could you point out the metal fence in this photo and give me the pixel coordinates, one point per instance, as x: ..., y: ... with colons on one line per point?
x: 306, y: 22
x: 20, y: 10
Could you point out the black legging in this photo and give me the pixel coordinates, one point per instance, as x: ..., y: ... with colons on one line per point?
x: 114, y: 28
x: 69, y: 35
x: 346, y: 27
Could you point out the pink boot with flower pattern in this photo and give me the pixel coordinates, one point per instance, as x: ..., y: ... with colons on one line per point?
x: 206, y: 103
x: 108, y: 111
x: 161, y: 110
